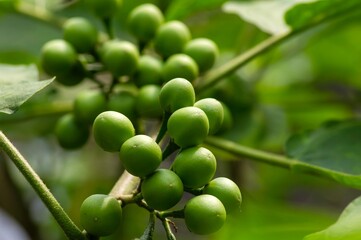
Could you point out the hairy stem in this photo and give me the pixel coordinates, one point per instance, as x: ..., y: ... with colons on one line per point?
x: 69, y: 228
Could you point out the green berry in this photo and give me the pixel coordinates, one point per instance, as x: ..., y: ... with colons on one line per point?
x: 149, y: 71
x: 227, y: 191
x: 188, y: 126
x: 58, y: 57
x: 80, y: 33
x: 204, y: 214
x: 69, y: 133
x: 171, y: 38
x: 203, y: 51
x: 120, y: 57
x: 100, y: 214
x: 176, y: 94
x: 214, y: 110
x: 144, y: 20
x: 195, y: 166
x: 227, y: 120
x: 88, y: 105
x: 147, y: 103
x: 180, y: 66
x: 124, y: 102
x: 73, y: 77
x: 111, y: 129
x: 162, y: 190
x: 140, y: 155
x: 104, y: 8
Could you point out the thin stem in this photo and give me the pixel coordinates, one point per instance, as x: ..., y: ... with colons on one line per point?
x: 173, y: 214
x: 214, y: 76
x: 163, y: 127
x: 68, y: 226
x: 149, y: 231
x: 39, y: 14
x: 171, y: 148
x: 168, y: 230
x: 253, y: 154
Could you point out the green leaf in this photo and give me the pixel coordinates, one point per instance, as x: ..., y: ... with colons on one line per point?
x: 346, y: 227
x: 18, y: 84
x: 266, y: 15
x: 180, y: 9
x: 310, y: 13
x: 333, y: 150
x: 280, y: 16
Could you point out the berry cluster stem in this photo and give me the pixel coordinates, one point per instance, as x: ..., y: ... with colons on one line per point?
x: 68, y: 226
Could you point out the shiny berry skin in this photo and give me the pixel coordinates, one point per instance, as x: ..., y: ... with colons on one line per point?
x: 180, y: 66
x: 195, y: 166
x: 188, y: 126
x: 144, y: 21
x: 111, y: 129
x: 70, y: 133
x: 171, y: 38
x: 227, y: 191
x: 140, y: 155
x: 100, y: 214
x: 120, y: 58
x: 176, y: 94
x: 214, y: 111
x: 204, y: 214
x: 88, y: 104
x: 162, y: 190
x: 80, y: 33
x: 203, y: 51
x: 58, y: 57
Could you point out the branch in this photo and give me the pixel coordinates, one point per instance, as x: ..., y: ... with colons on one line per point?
x: 215, y: 75
x: 68, y: 226
x: 39, y: 14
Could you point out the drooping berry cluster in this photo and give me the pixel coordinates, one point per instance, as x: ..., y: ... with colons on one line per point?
x: 153, y: 79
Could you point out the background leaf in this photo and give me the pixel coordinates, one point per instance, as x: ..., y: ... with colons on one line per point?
x: 348, y: 226
x: 333, y: 150
x: 266, y: 15
x: 18, y: 84
x: 308, y: 13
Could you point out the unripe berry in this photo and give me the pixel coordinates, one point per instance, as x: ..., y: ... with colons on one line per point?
x: 204, y: 214
x: 100, y: 215
x: 176, y: 94
x: 180, y: 66
x: 147, y: 102
x: 144, y: 20
x: 171, y: 38
x: 188, y: 126
x: 80, y: 33
x: 111, y: 129
x: 195, y: 166
x: 120, y: 57
x: 203, y: 51
x: 214, y: 111
x: 162, y: 190
x: 140, y: 155
x: 149, y: 71
x: 58, y: 57
x: 70, y: 133
x: 227, y: 191
x: 88, y: 104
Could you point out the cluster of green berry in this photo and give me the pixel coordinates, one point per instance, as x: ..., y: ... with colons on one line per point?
x: 162, y: 70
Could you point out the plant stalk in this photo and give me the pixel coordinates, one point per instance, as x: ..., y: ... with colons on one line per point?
x: 68, y: 226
